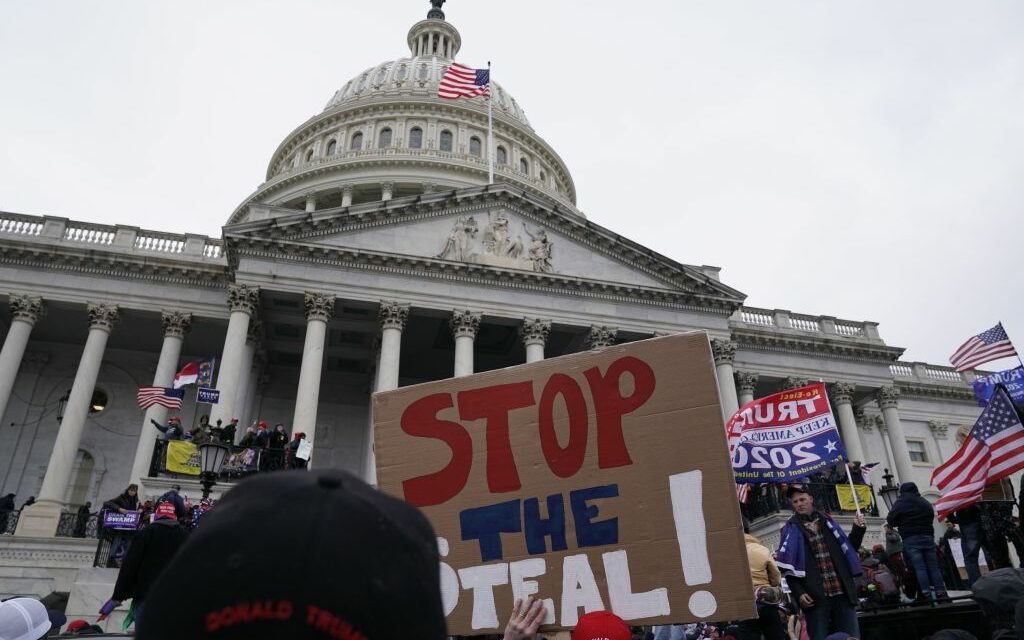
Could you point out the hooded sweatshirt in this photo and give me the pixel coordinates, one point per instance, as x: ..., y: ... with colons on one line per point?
x: 912, y: 515
x: 763, y: 570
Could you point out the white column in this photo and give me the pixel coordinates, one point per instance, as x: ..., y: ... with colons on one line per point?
x: 887, y: 402
x: 346, y: 195
x: 310, y: 202
x: 242, y: 300
x: 464, y: 326
x: 392, y: 317
x: 243, y: 398
x: 41, y: 519
x: 535, y: 335
x: 746, y: 384
x: 319, y: 310
x: 25, y: 310
x: 175, y: 324
x: 386, y: 189
x: 842, y: 399
x: 601, y: 336
x: 724, y: 352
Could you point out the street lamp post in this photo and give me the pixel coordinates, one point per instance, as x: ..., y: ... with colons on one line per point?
x: 212, y: 458
x: 889, y: 490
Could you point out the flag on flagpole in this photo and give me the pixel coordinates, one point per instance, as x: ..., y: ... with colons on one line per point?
x: 993, y: 450
x: 195, y: 372
x: 170, y: 398
x: 742, y: 492
x: 866, y: 469
x: 988, y: 345
x: 460, y: 81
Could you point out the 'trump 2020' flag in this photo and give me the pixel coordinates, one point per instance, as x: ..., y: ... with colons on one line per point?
x: 1012, y: 379
x: 784, y: 437
x: 988, y: 345
x: 460, y: 81
x: 170, y: 398
x: 198, y: 372
x: 993, y: 451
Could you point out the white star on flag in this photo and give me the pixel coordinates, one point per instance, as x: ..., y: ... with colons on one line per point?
x: 830, y: 446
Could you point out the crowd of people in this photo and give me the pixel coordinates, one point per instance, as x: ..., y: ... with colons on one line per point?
x: 276, y: 449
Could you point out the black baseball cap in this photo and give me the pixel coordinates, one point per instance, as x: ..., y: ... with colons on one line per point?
x: 796, y: 488
x: 317, y: 554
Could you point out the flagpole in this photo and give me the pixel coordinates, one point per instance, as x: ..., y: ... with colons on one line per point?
x: 490, y: 128
x: 853, y: 489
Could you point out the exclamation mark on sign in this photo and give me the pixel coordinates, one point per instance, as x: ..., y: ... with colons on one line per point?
x: 686, y: 490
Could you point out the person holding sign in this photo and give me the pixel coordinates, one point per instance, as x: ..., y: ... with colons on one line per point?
x: 819, y: 563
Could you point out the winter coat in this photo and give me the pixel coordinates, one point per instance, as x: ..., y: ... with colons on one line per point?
x: 175, y: 498
x: 123, y: 501
x: 912, y: 515
x: 278, y: 440
x: 150, y: 551
x: 262, y: 439
x: 170, y: 431
x: 763, y: 570
x: 7, y: 502
x: 248, y: 440
x: 811, y: 583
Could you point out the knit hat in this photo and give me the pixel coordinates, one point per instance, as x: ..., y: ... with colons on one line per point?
x: 601, y: 625
x: 344, y: 560
x: 23, y: 619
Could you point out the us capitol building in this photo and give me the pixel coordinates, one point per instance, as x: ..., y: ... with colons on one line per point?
x: 375, y: 255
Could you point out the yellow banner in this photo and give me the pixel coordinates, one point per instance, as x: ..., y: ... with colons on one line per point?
x: 846, y: 496
x: 183, y: 457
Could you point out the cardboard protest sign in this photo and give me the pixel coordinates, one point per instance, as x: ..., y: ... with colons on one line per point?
x: 785, y: 436
x: 599, y: 480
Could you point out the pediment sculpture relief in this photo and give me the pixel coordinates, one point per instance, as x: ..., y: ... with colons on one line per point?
x: 499, y: 245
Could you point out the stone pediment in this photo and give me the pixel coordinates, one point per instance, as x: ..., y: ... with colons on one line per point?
x: 488, y: 228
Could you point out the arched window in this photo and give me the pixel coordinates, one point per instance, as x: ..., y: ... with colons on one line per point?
x: 384, y: 139
x: 357, y: 142
x: 502, y: 156
x: 422, y: 72
x: 332, y: 147
x: 524, y: 166
x: 543, y: 176
x: 474, y: 146
x: 309, y: 155
x: 415, y: 138
x: 446, y: 140
x: 403, y: 72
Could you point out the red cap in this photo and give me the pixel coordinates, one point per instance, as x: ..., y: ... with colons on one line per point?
x: 263, y: 423
x: 75, y: 625
x: 165, y: 510
x: 601, y: 625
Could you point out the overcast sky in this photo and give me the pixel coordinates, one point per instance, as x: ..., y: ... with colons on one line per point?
x: 856, y: 159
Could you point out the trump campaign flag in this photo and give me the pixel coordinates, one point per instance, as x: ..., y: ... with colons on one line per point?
x: 1012, y: 379
x: 784, y: 437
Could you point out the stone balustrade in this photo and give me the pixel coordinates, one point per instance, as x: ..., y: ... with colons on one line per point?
x: 753, y: 317
x: 113, y: 237
x: 929, y: 373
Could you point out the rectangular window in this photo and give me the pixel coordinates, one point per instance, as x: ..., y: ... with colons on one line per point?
x: 917, y: 451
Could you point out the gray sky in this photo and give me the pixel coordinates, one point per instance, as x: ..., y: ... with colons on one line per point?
x: 857, y: 159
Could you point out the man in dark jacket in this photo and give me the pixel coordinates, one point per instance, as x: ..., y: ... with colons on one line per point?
x: 173, y: 496
x: 173, y: 430
x: 819, y: 563
x: 151, y: 550
x: 6, y: 507
x: 127, y: 501
x: 912, y: 516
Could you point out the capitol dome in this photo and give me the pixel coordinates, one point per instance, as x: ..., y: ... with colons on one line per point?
x: 386, y: 134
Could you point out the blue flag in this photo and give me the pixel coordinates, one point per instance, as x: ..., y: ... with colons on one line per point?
x: 1013, y: 379
x: 784, y: 437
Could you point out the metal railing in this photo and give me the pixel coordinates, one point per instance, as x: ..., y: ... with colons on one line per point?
x: 768, y: 499
x: 72, y: 525
x: 243, y: 462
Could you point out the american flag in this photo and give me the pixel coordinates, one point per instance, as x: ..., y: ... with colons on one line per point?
x: 460, y: 81
x: 742, y: 492
x: 170, y: 398
x: 994, y: 450
x: 866, y: 469
x: 988, y: 345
